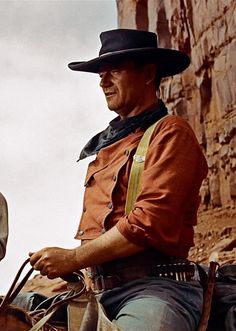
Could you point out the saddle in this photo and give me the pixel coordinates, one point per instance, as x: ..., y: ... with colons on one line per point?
x: 83, y: 310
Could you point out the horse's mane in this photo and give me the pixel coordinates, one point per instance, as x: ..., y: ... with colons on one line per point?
x: 17, y: 312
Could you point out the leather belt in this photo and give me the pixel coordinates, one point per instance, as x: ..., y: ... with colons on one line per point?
x: 183, y: 271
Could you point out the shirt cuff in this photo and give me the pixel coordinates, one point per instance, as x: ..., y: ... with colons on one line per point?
x: 132, y: 232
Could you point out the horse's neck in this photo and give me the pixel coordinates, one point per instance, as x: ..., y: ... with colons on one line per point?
x: 12, y: 323
x: 14, y: 319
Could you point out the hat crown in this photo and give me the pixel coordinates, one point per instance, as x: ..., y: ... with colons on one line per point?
x: 128, y: 44
x: 124, y: 39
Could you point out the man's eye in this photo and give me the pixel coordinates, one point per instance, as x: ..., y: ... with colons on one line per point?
x: 115, y: 71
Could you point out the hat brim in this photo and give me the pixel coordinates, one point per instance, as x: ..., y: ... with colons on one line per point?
x: 170, y: 62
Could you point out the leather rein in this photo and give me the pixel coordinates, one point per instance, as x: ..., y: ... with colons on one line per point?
x: 14, y: 290
x: 39, y: 317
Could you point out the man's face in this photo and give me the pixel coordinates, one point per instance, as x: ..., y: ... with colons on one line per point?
x: 123, y: 85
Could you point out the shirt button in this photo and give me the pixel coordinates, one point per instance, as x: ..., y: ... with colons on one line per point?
x: 114, y: 178
x: 81, y: 232
x: 126, y: 152
x: 110, y: 205
x: 103, y: 230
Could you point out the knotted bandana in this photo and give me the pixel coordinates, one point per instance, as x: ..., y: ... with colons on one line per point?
x: 119, y: 129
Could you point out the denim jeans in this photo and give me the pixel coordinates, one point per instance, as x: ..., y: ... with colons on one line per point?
x: 155, y: 304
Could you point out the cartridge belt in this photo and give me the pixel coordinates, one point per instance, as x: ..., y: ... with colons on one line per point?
x: 180, y: 271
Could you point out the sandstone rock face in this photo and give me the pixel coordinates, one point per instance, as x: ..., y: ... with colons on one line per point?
x: 205, y: 94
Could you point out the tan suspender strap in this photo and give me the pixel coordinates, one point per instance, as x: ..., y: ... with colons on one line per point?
x: 137, y: 167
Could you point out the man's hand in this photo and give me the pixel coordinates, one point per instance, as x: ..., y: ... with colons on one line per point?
x: 54, y: 261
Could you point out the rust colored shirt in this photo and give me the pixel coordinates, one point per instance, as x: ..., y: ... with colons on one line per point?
x: 165, y: 212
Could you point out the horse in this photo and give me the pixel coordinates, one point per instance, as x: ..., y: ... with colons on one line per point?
x: 13, y: 318
x: 85, y: 311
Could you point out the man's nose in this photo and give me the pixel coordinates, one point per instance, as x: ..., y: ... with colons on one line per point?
x: 105, y: 80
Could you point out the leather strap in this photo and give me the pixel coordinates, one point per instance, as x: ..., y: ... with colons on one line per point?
x: 137, y: 167
x: 68, y: 297
x: 183, y: 271
x: 15, y: 289
x: 208, y: 294
x: 42, y: 321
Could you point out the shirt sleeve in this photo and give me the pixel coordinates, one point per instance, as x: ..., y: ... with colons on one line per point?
x: 173, y: 172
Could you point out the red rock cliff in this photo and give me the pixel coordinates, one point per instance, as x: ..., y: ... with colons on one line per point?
x: 205, y: 95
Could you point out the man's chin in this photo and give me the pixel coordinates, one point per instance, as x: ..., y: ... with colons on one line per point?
x: 111, y: 108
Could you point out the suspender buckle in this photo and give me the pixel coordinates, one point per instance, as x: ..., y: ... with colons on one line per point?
x: 139, y: 158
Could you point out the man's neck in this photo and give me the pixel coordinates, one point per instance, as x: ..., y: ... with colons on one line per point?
x: 140, y: 109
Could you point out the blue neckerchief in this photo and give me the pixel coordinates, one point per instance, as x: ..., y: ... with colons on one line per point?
x: 119, y: 129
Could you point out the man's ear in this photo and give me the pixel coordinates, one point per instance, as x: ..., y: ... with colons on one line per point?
x: 150, y: 73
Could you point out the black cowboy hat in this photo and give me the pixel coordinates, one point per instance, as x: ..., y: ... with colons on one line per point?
x: 127, y: 44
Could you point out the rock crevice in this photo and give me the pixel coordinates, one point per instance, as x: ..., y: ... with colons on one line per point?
x: 205, y: 94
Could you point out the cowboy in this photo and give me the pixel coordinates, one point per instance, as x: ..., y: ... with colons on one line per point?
x: 137, y: 259
x: 3, y: 226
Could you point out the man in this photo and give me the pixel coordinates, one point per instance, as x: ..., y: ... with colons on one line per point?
x: 133, y: 258
x: 3, y: 226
